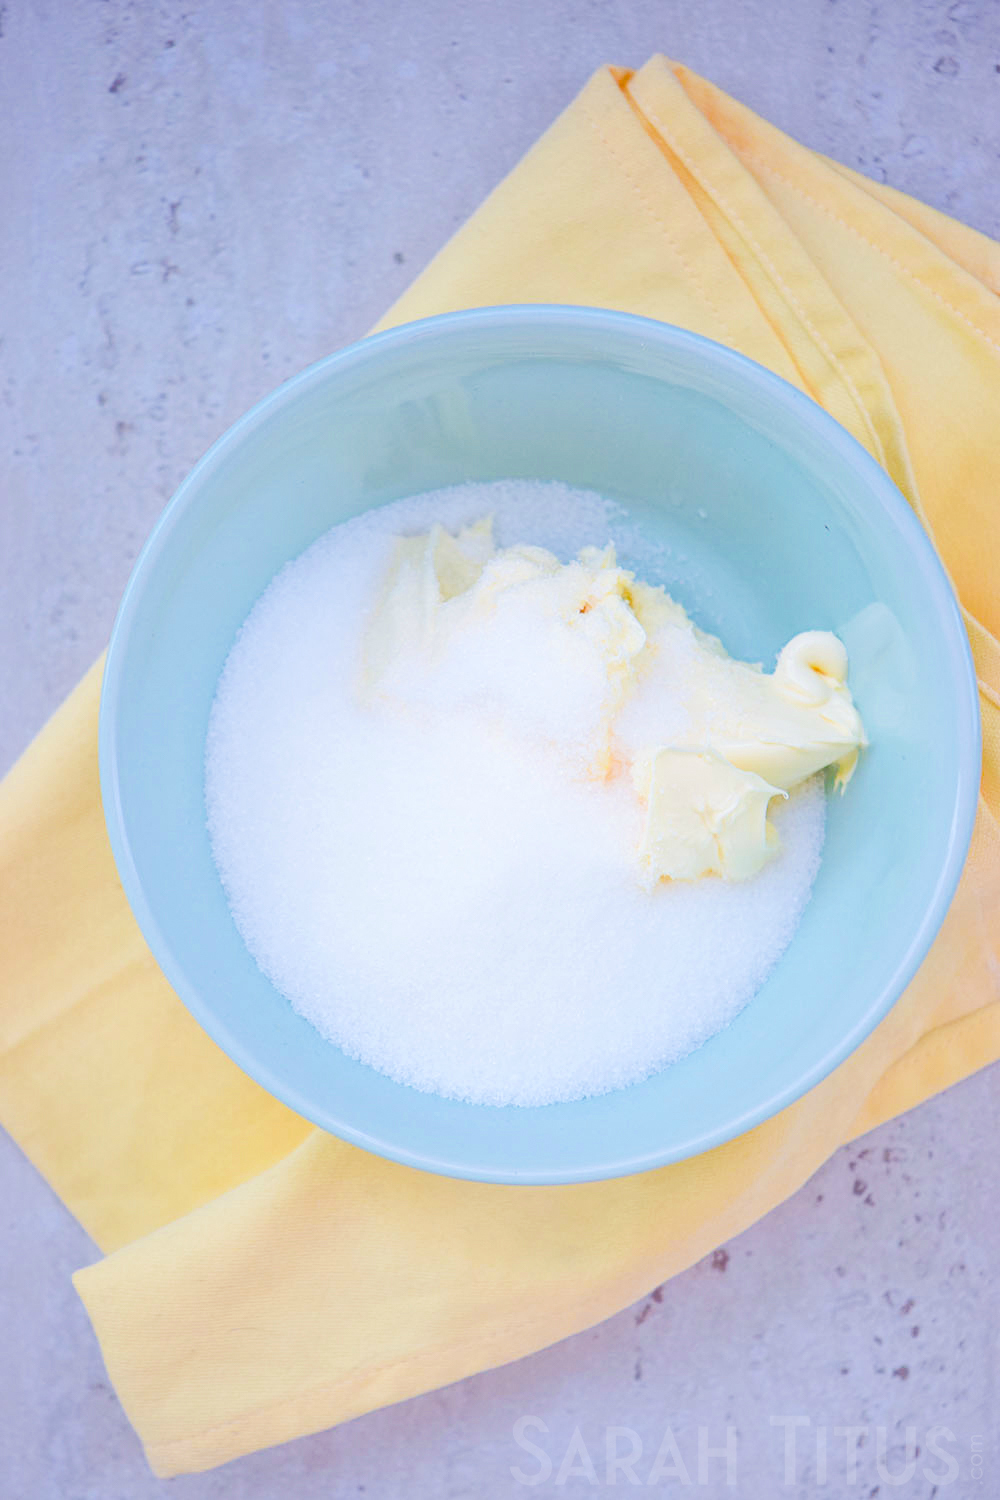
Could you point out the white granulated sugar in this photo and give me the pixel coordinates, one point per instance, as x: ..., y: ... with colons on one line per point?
x: 442, y: 900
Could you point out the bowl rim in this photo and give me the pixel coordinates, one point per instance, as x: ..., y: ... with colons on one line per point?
x: 672, y: 339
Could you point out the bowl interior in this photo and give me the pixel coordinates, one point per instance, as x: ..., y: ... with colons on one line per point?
x: 774, y: 521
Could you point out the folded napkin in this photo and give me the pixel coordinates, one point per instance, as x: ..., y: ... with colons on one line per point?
x: 263, y: 1279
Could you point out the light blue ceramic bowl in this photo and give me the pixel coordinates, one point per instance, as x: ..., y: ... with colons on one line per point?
x: 776, y: 520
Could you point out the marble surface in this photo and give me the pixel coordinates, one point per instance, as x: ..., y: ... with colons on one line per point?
x: 198, y: 201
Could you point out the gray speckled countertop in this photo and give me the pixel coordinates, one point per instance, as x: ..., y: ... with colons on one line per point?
x: 198, y: 201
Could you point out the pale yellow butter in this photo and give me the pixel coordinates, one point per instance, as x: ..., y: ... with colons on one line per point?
x: 611, y: 672
x: 423, y: 573
x: 704, y: 817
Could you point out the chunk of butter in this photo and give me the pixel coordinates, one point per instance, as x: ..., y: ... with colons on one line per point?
x: 705, y: 817
x: 611, y: 672
x: 791, y: 723
x: 424, y: 572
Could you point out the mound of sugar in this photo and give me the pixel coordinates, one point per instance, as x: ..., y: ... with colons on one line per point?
x: 439, y: 898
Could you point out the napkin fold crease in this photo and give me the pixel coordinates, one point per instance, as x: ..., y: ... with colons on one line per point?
x: 263, y: 1279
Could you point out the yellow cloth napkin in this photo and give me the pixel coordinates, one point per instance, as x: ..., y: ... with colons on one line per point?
x: 264, y: 1279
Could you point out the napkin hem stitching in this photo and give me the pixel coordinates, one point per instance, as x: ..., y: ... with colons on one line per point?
x: 686, y: 264
x: 779, y: 282
x: 897, y: 265
x: 164, y: 1445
